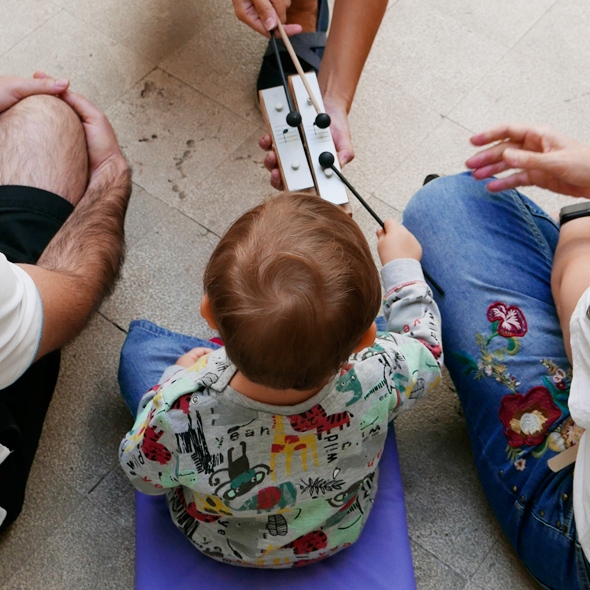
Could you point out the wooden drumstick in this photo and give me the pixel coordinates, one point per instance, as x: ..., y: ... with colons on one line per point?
x: 294, y: 117
x: 327, y: 161
x: 323, y: 119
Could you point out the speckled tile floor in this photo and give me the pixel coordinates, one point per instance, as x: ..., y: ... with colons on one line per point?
x: 177, y: 81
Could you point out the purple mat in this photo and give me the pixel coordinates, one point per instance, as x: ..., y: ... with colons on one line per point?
x: 380, y: 559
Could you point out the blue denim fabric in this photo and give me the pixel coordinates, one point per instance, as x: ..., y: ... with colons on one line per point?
x: 481, y: 249
x: 150, y: 349
x: 147, y: 352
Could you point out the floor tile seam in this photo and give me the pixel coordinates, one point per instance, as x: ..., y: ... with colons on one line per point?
x: 508, y: 53
x: 495, y: 544
x: 367, y: 74
x: 101, y: 507
x: 125, y: 90
x: 502, y: 43
x: 174, y: 209
x: 200, y: 91
x: 396, y: 209
x: 419, y: 143
x: 98, y: 29
x: 111, y: 321
x: 50, y: 535
x: 60, y: 10
x: 479, y: 32
x: 440, y: 561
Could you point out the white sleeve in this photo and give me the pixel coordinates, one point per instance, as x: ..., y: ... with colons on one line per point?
x: 21, y: 319
x: 579, y: 399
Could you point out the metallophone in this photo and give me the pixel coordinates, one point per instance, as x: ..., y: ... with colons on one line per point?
x: 300, y: 132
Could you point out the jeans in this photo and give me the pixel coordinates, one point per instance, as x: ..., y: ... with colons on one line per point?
x: 147, y: 352
x: 492, y: 256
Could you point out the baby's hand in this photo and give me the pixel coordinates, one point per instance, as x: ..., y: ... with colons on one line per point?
x: 192, y: 356
x: 395, y: 241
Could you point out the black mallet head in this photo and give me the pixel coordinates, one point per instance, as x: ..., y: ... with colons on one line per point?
x: 323, y: 120
x: 326, y: 160
x: 294, y: 119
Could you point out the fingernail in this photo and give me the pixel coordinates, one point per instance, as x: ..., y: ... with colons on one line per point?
x: 269, y: 23
x: 62, y: 83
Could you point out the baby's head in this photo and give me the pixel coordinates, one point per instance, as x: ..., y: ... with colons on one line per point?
x: 293, y: 289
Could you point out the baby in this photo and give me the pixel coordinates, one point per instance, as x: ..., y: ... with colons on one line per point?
x: 268, y: 448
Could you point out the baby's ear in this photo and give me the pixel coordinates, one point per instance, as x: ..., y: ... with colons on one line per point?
x: 368, y: 338
x: 206, y: 312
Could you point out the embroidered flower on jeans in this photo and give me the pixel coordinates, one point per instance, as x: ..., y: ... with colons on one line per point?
x: 511, y: 321
x: 527, y: 418
x: 520, y: 464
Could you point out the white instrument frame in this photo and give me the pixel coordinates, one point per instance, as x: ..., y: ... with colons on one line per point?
x: 298, y: 149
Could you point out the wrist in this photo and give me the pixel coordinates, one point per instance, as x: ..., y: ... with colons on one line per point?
x: 115, y: 171
x: 574, y: 228
x: 574, y: 212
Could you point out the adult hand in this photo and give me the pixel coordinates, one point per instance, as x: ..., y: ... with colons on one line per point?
x: 103, y: 148
x: 340, y: 134
x: 13, y: 89
x: 540, y: 155
x: 396, y: 241
x: 263, y: 15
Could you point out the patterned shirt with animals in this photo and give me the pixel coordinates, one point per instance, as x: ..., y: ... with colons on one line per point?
x: 260, y: 485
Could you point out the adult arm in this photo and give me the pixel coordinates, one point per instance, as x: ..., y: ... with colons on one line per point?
x: 80, y: 264
x: 352, y: 31
x: 570, y: 276
x: 541, y: 156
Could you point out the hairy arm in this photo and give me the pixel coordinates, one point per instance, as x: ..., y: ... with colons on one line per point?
x: 81, y: 263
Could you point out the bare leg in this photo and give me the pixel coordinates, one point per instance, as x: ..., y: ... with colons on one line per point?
x: 43, y: 145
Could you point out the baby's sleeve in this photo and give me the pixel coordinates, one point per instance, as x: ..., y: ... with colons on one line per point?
x: 147, y: 453
x: 409, y: 306
x: 414, y: 339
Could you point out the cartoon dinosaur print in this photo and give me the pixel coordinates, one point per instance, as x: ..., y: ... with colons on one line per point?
x: 349, y: 381
x: 317, y: 419
x: 289, y: 444
x: 309, y: 543
x: 279, y: 496
x: 152, y: 449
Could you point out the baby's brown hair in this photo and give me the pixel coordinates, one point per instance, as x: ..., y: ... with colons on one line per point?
x: 293, y: 288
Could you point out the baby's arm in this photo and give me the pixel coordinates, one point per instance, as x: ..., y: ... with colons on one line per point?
x: 408, y: 305
x: 147, y: 453
x: 413, y: 318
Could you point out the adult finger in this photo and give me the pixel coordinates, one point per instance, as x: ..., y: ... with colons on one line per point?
x: 265, y: 142
x: 513, y: 131
x: 490, y: 155
x: 257, y: 14
x: 515, y: 180
x: 270, y: 161
x: 490, y: 170
x: 525, y: 159
x: 20, y: 88
x: 275, y: 180
x: 88, y: 112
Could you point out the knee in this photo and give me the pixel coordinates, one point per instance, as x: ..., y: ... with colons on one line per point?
x: 45, y: 130
x: 448, y: 198
x: 49, y: 115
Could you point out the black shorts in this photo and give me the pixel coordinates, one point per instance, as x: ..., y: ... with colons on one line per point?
x: 29, y: 218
